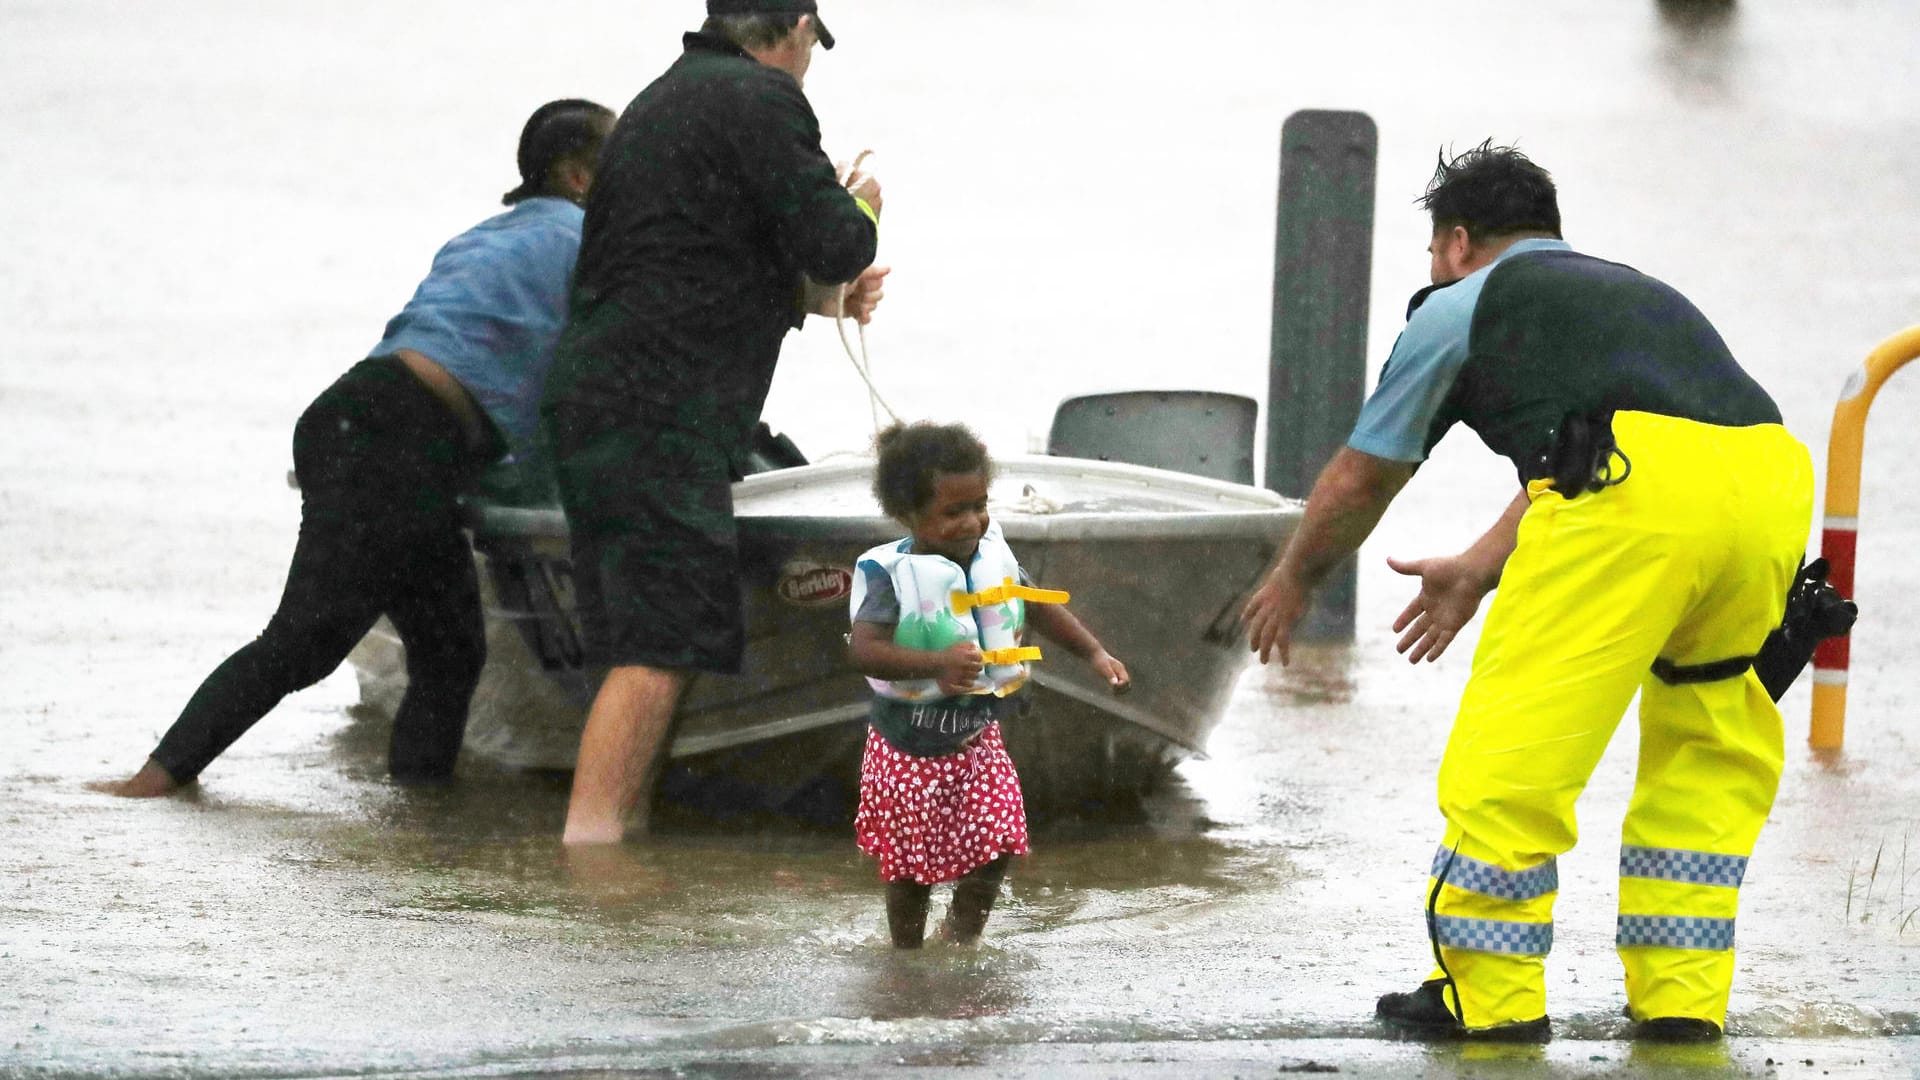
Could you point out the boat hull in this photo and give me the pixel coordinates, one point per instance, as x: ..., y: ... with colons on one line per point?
x: 1160, y: 578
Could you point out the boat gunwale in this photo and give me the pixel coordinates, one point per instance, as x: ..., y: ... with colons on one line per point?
x: 1260, y: 513
x: 1249, y: 497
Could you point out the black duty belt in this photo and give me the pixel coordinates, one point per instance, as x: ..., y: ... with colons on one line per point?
x: 1677, y: 674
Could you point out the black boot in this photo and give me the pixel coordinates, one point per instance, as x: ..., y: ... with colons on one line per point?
x: 1677, y: 1029
x: 1423, y: 1014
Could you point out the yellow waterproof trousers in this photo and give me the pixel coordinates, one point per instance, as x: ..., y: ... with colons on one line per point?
x: 1689, y: 559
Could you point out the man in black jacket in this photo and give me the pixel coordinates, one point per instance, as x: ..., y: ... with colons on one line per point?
x: 717, y: 224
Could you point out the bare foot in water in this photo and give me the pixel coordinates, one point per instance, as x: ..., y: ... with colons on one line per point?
x: 947, y: 932
x: 150, y: 782
x: 612, y: 874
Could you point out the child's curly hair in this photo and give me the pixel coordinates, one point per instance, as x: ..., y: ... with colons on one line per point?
x: 912, y: 458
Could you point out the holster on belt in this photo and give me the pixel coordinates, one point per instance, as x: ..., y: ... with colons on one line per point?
x: 1583, y: 454
x: 1815, y: 611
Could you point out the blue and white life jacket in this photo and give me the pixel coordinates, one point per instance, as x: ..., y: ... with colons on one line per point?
x: 942, y: 604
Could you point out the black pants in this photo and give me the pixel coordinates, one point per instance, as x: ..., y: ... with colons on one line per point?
x: 380, y: 462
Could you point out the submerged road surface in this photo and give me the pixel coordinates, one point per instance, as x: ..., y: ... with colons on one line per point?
x: 300, y: 916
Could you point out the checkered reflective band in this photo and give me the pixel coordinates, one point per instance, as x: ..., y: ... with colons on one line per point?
x: 1489, y: 880
x: 1494, y: 935
x: 1688, y: 867
x: 1674, y: 932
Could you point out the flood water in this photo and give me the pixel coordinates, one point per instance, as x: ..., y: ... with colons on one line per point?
x: 216, y: 205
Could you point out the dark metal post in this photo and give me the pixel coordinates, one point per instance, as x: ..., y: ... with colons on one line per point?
x: 1322, y: 270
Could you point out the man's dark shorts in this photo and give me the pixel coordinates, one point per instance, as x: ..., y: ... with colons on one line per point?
x: 656, y: 558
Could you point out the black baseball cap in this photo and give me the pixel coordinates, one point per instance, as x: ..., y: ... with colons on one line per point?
x: 774, y: 7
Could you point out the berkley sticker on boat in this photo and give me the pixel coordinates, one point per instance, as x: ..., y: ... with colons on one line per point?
x: 813, y: 584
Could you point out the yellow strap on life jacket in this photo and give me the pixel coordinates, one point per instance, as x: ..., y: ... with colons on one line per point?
x: 1017, y: 654
x: 964, y: 602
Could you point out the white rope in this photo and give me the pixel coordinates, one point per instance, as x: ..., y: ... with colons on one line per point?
x: 862, y: 361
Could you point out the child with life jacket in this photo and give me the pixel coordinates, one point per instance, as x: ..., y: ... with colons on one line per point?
x: 938, y: 630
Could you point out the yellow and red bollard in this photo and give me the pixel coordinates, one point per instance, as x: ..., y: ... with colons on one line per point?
x: 1840, y: 526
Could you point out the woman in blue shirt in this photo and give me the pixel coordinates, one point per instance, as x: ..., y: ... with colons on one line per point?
x: 381, y: 456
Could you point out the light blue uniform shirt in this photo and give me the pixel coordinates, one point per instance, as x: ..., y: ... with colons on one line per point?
x: 1396, y: 419
x: 491, y: 309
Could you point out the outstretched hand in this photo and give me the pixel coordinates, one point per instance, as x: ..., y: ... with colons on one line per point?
x: 1112, y: 670
x: 1275, y: 608
x: 1451, y: 588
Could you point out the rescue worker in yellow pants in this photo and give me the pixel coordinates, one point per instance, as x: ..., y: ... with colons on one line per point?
x: 1663, y: 515
x: 1599, y: 588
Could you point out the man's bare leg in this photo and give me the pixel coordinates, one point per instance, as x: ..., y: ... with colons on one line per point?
x: 618, y: 750
x: 152, y: 781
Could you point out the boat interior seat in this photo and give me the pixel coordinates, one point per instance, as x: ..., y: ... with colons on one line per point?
x: 1202, y: 432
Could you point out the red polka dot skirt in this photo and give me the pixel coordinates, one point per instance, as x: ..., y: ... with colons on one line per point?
x: 933, y: 819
